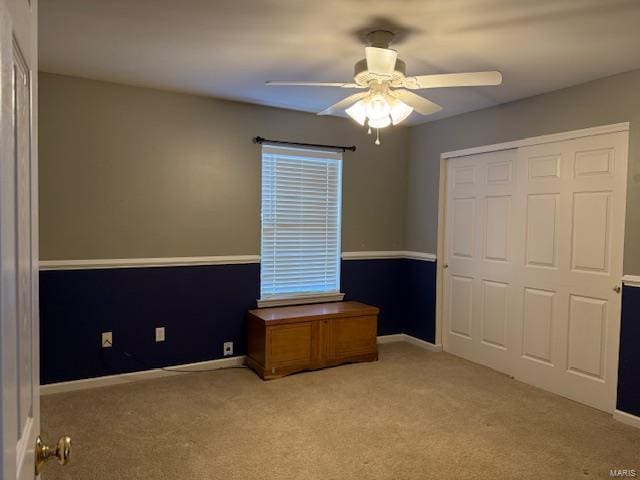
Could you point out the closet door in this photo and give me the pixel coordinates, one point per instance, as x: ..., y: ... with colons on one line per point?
x: 479, y: 254
x: 572, y: 208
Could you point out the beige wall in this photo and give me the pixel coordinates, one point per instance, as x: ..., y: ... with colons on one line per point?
x: 601, y: 102
x: 129, y: 172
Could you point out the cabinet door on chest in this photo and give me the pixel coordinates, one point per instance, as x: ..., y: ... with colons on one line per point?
x: 348, y: 337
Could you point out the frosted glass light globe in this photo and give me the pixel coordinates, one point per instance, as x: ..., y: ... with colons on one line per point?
x: 377, y: 108
x: 381, y: 122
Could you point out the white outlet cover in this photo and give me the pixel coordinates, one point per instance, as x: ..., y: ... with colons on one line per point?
x: 160, y: 334
x: 107, y: 339
x: 227, y: 348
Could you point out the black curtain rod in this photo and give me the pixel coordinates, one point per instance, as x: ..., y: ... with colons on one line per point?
x: 261, y: 140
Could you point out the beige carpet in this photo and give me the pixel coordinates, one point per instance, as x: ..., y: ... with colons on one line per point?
x: 412, y: 415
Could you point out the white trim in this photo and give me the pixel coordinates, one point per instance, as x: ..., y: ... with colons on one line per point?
x: 631, y: 280
x: 300, y: 300
x: 373, y: 255
x: 381, y: 255
x: 403, y: 337
x: 440, y: 251
x: 146, y: 262
x: 211, y: 260
x: 626, y: 418
x: 432, y: 347
x: 554, y: 137
x: 124, y: 378
x: 427, y: 257
x: 393, y: 338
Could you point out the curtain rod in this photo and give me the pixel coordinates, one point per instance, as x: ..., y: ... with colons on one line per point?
x: 261, y: 140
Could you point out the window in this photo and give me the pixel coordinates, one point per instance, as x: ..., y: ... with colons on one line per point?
x: 301, y: 203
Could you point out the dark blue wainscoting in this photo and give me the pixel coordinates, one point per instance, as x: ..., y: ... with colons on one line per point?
x: 379, y: 283
x: 404, y: 290
x: 420, y: 315
x: 629, y: 369
x: 200, y: 307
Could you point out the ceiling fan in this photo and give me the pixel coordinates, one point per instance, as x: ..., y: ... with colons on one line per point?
x: 388, y: 98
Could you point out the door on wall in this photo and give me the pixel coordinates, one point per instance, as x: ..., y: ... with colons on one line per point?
x: 480, y: 257
x: 572, y: 204
x: 19, y: 348
x: 533, y: 244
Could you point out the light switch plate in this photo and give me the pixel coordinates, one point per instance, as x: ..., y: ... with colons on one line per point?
x: 107, y: 339
x: 160, y: 334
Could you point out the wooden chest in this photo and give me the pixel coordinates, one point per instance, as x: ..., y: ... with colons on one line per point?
x: 285, y: 340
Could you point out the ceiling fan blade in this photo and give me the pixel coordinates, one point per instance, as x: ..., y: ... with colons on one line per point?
x: 471, y: 79
x: 381, y: 61
x: 419, y: 104
x: 313, y: 84
x: 344, y: 103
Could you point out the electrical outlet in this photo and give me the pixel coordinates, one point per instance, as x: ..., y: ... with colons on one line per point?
x: 107, y: 339
x: 160, y: 334
x: 227, y: 349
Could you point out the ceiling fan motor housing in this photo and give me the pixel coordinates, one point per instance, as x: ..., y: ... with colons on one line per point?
x: 363, y: 77
x: 380, y: 38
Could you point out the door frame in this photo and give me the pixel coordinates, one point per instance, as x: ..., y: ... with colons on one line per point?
x: 442, y: 199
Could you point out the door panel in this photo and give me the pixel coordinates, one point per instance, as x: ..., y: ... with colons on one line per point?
x: 19, y: 349
x: 23, y: 239
x: 461, y: 305
x: 479, y: 254
x: 590, y: 249
x: 574, y: 224
x: 496, y: 229
x: 463, y: 215
x: 495, y: 313
x: 587, y: 331
x: 542, y: 230
x: 533, y: 244
x: 539, y: 319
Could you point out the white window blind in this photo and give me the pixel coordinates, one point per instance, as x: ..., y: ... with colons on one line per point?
x: 301, y: 210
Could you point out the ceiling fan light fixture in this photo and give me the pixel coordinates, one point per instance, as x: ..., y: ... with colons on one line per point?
x: 378, y: 108
x: 399, y: 111
x: 387, y: 96
x: 381, y: 122
x: 358, y: 111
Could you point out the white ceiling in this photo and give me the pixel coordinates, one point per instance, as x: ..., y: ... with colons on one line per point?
x: 229, y: 48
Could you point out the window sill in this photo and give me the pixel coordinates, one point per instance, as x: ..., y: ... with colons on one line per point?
x: 300, y: 299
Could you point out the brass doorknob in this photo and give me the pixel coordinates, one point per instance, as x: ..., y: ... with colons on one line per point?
x: 617, y: 288
x: 62, y: 452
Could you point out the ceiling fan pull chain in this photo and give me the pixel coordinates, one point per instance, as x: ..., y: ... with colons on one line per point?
x: 377, y: 136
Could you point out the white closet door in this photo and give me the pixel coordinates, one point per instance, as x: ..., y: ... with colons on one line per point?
x: 533, y: 243
x: 572, y: 204
x: 480, y: 253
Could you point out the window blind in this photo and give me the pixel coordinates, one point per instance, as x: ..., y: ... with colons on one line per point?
x: 301, y: 216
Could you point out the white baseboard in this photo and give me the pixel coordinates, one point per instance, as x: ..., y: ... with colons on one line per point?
x: 423, y: 344
x: 137, y: 376
x: 403, y: 337
x: 124, y: 378
x: 627, y: 418
x: 396, y: 337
